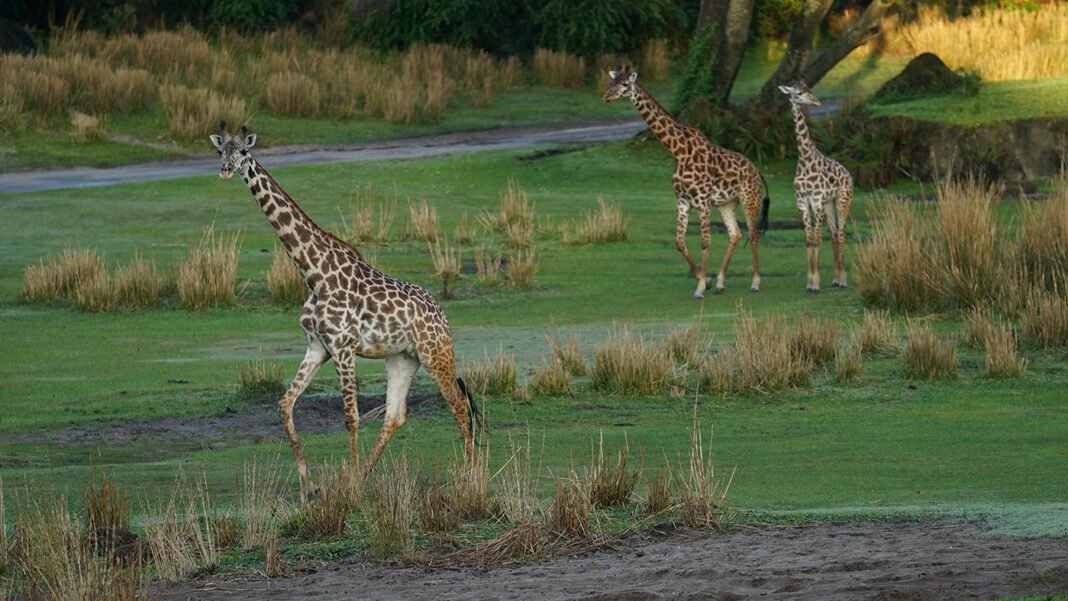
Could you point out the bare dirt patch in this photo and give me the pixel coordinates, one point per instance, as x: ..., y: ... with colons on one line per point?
x: 826, y: 562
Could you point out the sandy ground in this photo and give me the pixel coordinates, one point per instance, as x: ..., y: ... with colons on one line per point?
x: 827, y: 562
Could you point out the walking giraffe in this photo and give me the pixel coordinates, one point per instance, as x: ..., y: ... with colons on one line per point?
x: 824, y: 188
x: 706, y: 176
x: 354, y: 310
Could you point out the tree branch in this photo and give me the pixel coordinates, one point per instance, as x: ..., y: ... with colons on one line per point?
x: 863, y: 28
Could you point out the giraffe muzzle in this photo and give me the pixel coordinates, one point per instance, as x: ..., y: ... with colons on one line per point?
x: 226, y: 174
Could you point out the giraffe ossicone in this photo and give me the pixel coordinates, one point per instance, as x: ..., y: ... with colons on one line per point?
x: 824, y: 189
x: 353, y: 310
x: 706, y: 177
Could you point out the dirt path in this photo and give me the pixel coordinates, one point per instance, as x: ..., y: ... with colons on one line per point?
x: 827, y: 562
x: 407, y: 148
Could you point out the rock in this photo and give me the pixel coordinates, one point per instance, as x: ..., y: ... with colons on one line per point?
x: 13, y: 38
x: 925, y: 74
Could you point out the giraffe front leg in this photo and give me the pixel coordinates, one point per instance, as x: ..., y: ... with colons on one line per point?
x: 706, y: 244
x: 345, y: 364
x: 682, y: 220
x: 814, y: 244
x: 806, y: 219
x: 734, y: 235
x: 314, y: 357
x: 400, y: 369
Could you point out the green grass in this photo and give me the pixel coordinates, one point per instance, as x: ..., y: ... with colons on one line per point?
x: 996, y: 102
x: 879, y: 446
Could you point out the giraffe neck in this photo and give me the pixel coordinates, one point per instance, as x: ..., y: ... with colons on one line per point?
x: 660, y: 122
x: 804, y: 141
x: 301, y: 238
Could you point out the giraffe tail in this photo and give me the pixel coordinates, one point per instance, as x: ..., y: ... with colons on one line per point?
x: 474, y: 416
x: 763, y: 225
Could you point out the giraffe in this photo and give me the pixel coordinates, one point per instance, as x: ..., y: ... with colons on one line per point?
x: 824, y: 188
x: 706, y: 176
x: 354, y: 310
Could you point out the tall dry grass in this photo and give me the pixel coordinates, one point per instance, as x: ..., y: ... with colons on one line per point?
x: 815, y: 340
x: 339, y: 490
x: 514, y: 210
x: 107, y: 506
x: 703, y: 499
x: 551, y: 379
x: 1044, y: 318
x: 847, y: 362
x: 1042, y: 249
x: 285, y: 285
x: 261, y: 503
x: 627, y: 363
x: 469, y: 486
x: 606, y: 224
x: 611, y: 483
x: 568, y: 354
x: 96, y: 293
x: 517, y: 486
x: 559, y: 69
x: 570, y: 509
x: 447, y: 263
x: 876, y: 331
x: 763, y: 358
x: 180, y: 542
x: 998, y: 44
x: 487, y: 266
x: 292, y: 94
x: 491, y: 376
x: 424, y: 221
x: 522, y: 268
x: 969, y: 267
x: 193, y: 113
x: 138, y: 283
x: 260, y: 379
x: 894, y: 265
x: 928, y: 355
x: 58, y: 277
x: 1001, y: 357
x: 369, y: 221
x: 207, y: 277
x: 656, y: 60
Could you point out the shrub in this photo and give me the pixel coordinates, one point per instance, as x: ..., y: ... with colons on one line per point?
x: 927, y: 355
x: 446, y: 264
x: 559, y: 69
x: 606, y: 224
x: 284, y: 282
x: 260, y: 379
x: 493, y: 376
x: 208, y: 275
x: 626, y: 364
x: 138, y: 283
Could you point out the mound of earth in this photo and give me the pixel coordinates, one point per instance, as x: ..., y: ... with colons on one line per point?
x: 925, y: 74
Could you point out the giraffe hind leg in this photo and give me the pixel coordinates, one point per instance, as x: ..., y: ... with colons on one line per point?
x: 734, y: 235
x: 440, y: 361
x: 400, y: 369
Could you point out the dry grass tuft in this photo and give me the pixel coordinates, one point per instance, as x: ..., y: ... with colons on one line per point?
x: 96, y: 293
x: 424, y: 220
x: 876, y: 332
x: 558, y: 69
x: 683, y: 344
x: 516, y: 491
x: 567, y: 354
x: 656, y: 60
x: 292, y: 94
x: 522, y: 268
x: 393, y: 510
x: 927, y: 355
x: 762, y: 359
x: 893, y: 266
x: 284, y: 282
x: 1001, y: 354
x: 447, y: 263
x: 369, y: 221
x: 179, y: 541
x: 815, y: 340
x: 208, y: 275
x: 492, y: 376
x: 969, y: 266
x: 58, y: 277
x: 978, y: 325
x: 261, y: 503
x: 469, y: 488
x: 847, y: 362
x: 193, y: 113
x: 524, y: 543
x: 107, y: 506
x: 515, y: 210
x: 1044, y: 319
x: 606, y: 224
x: 1042, y: 250
x: 87, y: 127
x: 260, y: 379
x: 625, y: 363
x: 436, y: 514
x: 138, y: 283
x: 569, y: 513
x: 338, y: 491
x: 274, y: 565
x: 704, y: 498
x: 487, y: 266
x: 464, y: 232
x: 611, y: 485
x: 551, y: 379
x: 658, y: 492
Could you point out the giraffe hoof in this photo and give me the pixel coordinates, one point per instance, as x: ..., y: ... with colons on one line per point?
x: 698, y: 295
x: 720, y: 289
x: 313, y: 494
x: 754, y: 288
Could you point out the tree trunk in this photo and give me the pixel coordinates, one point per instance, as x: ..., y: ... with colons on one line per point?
x: 716, y: 52
x: 798, y: 48
x: 864, y: 28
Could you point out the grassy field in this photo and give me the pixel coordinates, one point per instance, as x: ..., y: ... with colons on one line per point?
x: 879, y: 446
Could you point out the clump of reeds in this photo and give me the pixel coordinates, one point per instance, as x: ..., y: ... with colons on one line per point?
x: 1044, y: 318
x: 424, y: 220
x: 327, y: 515
x: 927, y: 355
x: 261, y: 503
x: 815, y: 340
x: 447, y: 264
x: 393, y: 510
x: 847, y: 360
x: 284, y: 282
x: 469, y: 487
x: 138, y: 283
x: 487, y: 266
x: 658, y: 492
x: 625, y: 363
x: 522, y: 268
x: 492, y: 376
x: 703, y: 500
x: 611, y: 484
x: 875, y: 332
x: 569, y: 512
x: 107, y: 506
x: 567, y: 354
x: 606, y: 224
x: 207, y: 276
x: 551, y: 379
x: 369, y: 221
x: 260, y: 379
x: 762, y: 359
x: 1001, y: 358
x: 558, y: 69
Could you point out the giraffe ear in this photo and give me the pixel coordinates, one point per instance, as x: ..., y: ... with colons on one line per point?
x: 250, y: 140
x: 633, y: 77
x: 786, y: 89
x: 216, y: 140
x: 613, y: 74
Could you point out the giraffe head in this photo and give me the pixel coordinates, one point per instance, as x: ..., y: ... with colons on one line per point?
x: 622, y: 83
x: 800, y: 94
x: 234, y: 150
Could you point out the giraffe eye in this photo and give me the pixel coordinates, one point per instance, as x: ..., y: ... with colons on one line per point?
x: 219, y: 151
x: 244, y: 152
